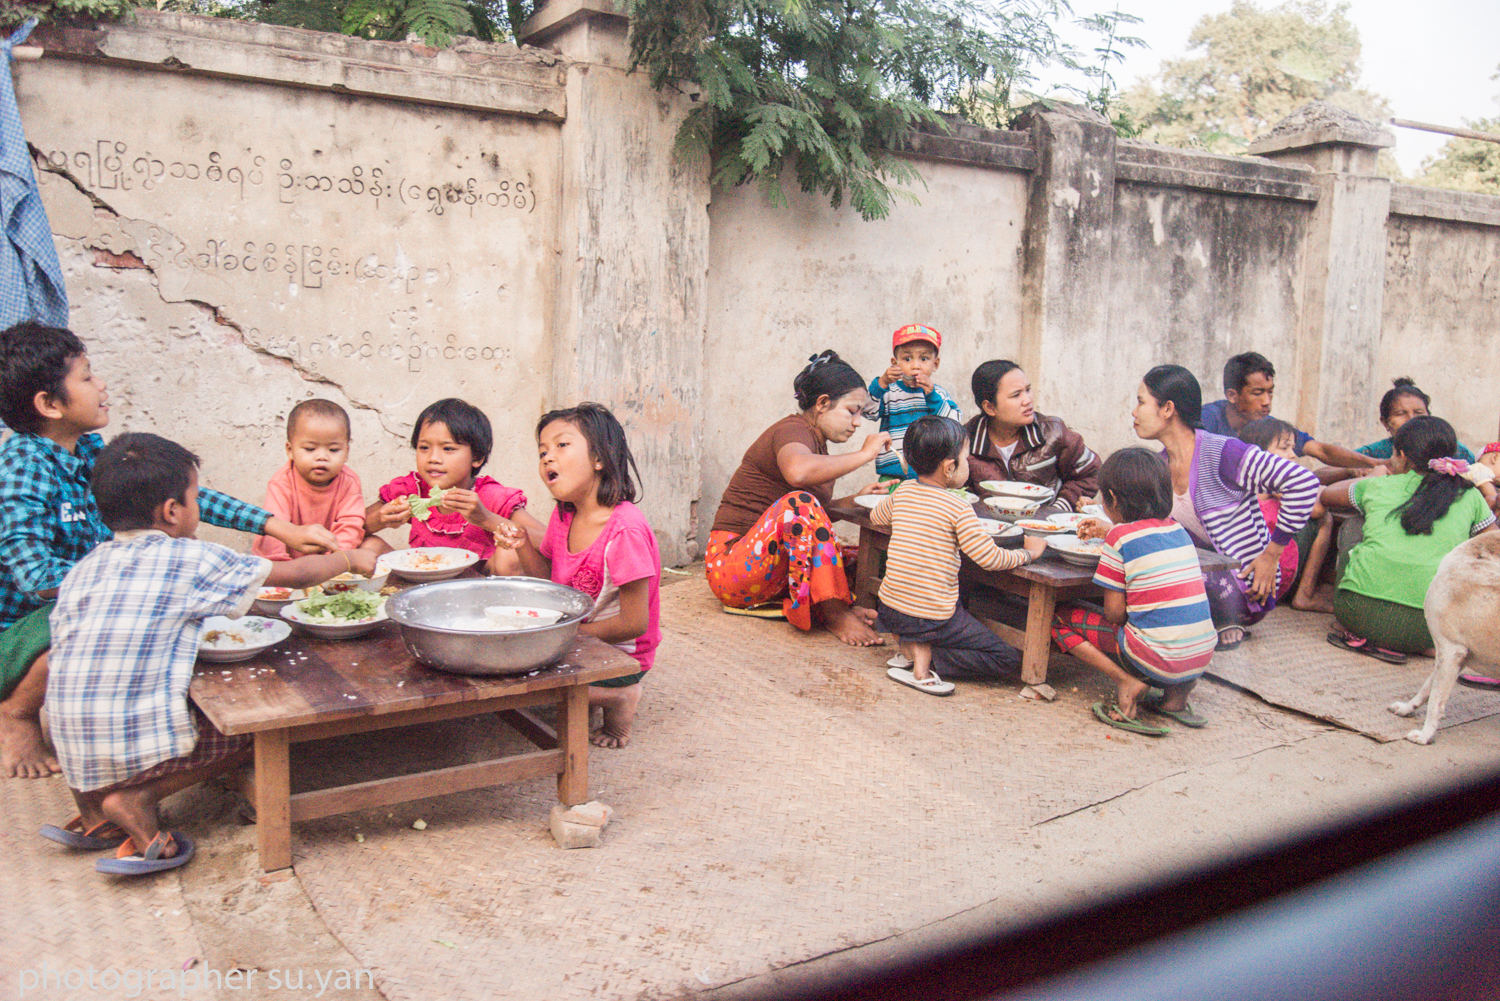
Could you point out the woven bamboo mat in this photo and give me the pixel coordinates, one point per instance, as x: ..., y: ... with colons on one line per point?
x: 1289, y: 662
x: 782, y: 800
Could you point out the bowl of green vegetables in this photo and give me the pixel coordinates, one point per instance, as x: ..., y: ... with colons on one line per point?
x: 339, y: 616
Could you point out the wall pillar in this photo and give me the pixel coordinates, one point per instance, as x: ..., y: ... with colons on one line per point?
x: 1068, y: 240
x: 1343, y: 270
x: 632, y: 253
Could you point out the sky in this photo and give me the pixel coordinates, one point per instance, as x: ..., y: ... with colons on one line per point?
x: 1431, y: 60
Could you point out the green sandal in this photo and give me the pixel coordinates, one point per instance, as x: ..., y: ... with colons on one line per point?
x: 1186, y: 716
x: 1131, y: 725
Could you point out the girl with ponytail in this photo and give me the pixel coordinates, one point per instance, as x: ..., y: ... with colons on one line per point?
x: 1413, y: 518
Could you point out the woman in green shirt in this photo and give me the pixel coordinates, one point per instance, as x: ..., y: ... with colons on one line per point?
x: 1413, y: 518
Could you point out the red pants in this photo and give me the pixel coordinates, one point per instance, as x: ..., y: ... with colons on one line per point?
x: 790, y: 553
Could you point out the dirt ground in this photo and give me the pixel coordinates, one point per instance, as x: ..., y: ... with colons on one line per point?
x: 786, y: 815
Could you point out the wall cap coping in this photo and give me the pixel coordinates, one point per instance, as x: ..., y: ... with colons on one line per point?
x: 1319, y: 123
x: 552, y: 17
x: 1168, y: 166
x: 965, y: 142
x: 473, y: 75
x: 1438, y: 203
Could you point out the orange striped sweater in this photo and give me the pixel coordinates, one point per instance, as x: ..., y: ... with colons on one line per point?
x: 929, y: 526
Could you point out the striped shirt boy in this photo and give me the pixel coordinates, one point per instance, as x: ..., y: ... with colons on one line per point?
x: 929, y: 526
x: 897, y: 407
x: 1168, y: 632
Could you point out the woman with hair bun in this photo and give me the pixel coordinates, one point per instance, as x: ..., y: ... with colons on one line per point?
x: 1412, y: 519
x: 772, y: 537
x: 1401, y: 403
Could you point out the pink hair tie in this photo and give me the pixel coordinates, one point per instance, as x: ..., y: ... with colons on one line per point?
x: 1448, y: 466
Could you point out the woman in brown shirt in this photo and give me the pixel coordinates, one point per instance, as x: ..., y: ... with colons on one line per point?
x: 772, y: 537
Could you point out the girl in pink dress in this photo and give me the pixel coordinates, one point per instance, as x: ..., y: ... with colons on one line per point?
x: 600, y: 543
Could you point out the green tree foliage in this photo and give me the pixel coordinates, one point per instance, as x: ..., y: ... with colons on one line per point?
x: 1249, y: 68
x: 827, y: 90
x: 1467, y: 164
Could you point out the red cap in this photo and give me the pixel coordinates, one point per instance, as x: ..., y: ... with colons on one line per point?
x: 916, y: 332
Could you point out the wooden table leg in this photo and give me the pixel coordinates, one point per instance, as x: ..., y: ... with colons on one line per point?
x: 573, y: 738
x: 866, y: 576
x: 273, y: 798
x: 1040, y: 605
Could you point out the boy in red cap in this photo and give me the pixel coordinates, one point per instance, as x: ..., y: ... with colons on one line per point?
x: 905, y: 393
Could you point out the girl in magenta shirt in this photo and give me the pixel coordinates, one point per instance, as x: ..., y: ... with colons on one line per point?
x: 597, y: 542
x: 452, y: 441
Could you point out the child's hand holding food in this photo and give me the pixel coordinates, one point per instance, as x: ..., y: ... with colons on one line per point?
x: 302, y: 538
x: 890, y: 376
x: 392, y: 514
x: 1092, y: 528
x: 468, y: 504
x: 361, y: 561
x: 509, y: 535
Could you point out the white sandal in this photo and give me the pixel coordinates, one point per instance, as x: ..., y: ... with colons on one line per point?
x: 932, y: 684
x: 899, y: 660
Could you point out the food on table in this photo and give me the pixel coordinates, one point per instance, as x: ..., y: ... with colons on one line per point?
x: 423, y: 560
x: 275, y: 593
x: 1042, y: 527
x: 963, y: 495
x: 1012, y: 488
x: 247, y: 632
x: 505, y: 618
x: 421, y: 507
x: 223, y: 638
x: 340, y: 609
x: 1092, y: 528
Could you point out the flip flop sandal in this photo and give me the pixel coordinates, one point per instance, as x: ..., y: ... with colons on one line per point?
x: 1480, y: 681
x: 1186, y: 716
x: 100, y: 837
x: 127, y: 863
x: 897, y: 660
x: 771, y: 610
x: 1358, y: 644
x: 1224, y: 647
x: 932, y: 684
x: 1131, y: 725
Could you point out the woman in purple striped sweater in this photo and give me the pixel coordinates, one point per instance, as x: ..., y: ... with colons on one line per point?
x: 1215, y: 483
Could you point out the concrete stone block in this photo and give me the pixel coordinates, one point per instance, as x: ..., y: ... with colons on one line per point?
x: 574, y: 835
x: 590, y: 814
x: 1039, y: 692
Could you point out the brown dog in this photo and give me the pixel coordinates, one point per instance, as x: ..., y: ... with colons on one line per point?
x: 1463, y: 615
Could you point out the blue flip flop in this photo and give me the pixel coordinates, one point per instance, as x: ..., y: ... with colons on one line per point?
x: 100, y: 837
x: 150, y: 860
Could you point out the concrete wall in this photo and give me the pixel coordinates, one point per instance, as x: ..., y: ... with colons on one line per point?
x: 303, y: 214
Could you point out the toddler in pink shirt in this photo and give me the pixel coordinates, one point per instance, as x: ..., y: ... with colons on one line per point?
x: 315, y: 487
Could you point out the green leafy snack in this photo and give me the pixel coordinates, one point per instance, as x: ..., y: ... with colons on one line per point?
x: 421, y: 507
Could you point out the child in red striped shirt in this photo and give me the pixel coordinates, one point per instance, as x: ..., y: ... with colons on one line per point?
x: 1154, y: 594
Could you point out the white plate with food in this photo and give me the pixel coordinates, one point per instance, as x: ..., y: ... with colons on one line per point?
x: 1066, y: 519
x: 428, y: 562
x: 227, y: 640
x: 351, y: 581
x: 999, y: 529
x: 1040, y: 529
x: 1085, y: 554
x: 1012, y: 507
x: 869, y: 500
x: 1092, y: 510
x: 1010, y: 488
x: 271, y: 600
x: 337, y: 616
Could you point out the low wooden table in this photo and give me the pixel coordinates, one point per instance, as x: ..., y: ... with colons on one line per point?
x: 1043, y: 583
x: 308, y: 689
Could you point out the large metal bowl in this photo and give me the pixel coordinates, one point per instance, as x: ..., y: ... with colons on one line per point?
x: 443, y: 624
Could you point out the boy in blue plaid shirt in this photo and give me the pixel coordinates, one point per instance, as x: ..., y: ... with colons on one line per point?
x: 125, y: 635
x: 53, y: 401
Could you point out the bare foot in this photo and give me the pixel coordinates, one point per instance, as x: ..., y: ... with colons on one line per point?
x: 23, y: 754
x: 1126, y: 694
x: 1319, y: 602
x: 619, y: 714
x: 865, y: 615
x: 848, y: 624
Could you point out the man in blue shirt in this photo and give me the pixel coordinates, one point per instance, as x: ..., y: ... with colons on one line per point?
x: 1249, y: 383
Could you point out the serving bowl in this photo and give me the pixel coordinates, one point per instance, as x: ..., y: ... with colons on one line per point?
x: 427, y: 563
x: 452, y: 625
x: 270, y: 601
x: 334, y: 630
x: 227, y: 640
x: 1010, y: 488
x: 1084, y: 554
x: 350, y: 581
x: 1004, y: 533
x: 1011, y: 508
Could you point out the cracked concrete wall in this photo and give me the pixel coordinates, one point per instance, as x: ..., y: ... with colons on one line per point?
x: 245, y: 245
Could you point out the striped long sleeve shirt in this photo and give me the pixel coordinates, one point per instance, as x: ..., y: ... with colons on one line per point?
x: 1227, y: 475
x: 929, y: 527
x: 897, y: 407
